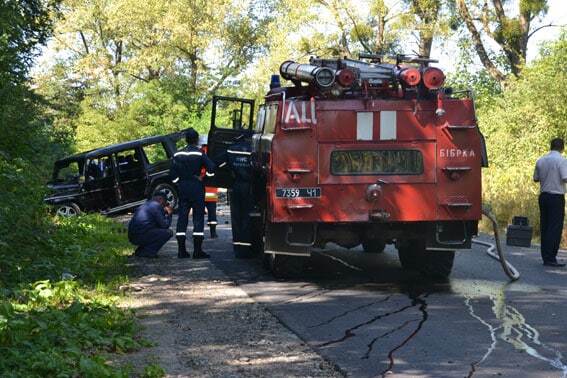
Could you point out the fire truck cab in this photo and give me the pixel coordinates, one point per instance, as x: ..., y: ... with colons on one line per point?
x: 359, y: 153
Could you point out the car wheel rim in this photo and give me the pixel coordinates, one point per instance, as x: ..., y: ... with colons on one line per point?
x: 170, y: 197
x: 66, y: 211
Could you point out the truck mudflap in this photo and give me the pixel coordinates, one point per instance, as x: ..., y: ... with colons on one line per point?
x: 451, y: 235
x: 290, y: 239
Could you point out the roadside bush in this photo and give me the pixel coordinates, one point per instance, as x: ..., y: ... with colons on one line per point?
x: 58, y: 313
x: 518, y: 126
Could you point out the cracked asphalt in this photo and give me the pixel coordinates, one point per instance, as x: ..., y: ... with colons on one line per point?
x: 369, y: 318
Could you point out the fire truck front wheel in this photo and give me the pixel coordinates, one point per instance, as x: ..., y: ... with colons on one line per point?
x: 434, y: 264
x: 373, y: 246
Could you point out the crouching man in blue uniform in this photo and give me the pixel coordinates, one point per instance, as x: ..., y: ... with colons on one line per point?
x: 186, y: 173
x: 149, y: 227
x: 238, y: 159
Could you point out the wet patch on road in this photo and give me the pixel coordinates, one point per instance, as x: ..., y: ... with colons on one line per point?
x: 512, y: 327
x: 354, y: 310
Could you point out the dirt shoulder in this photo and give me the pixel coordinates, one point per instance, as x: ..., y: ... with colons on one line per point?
x: 204, y: 325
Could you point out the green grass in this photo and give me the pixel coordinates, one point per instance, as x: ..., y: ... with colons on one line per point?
x: 58, y: 313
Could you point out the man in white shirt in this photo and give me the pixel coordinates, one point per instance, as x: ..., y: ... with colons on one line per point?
x: 551, y: 173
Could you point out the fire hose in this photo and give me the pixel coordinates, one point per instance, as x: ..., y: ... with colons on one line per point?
x: 508, y: 268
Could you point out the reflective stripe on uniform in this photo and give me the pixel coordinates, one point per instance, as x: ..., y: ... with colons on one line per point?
x: 180, y: 234
x: 222, y: 165
x: 212, y: 223
x: 198, y: 234
x: 192, y: 153
x: 242, y: 243
x: 210, y: 174
x: 175, y: 181
x: 239, y: 152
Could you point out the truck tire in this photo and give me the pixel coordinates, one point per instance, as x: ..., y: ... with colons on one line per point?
x: 373, y: 246
x: 282, y: 265
x: 171, y: 192
x: 438, y: 264
x: 435, y: 264
x: 285, y: 266
x: 68, y: 209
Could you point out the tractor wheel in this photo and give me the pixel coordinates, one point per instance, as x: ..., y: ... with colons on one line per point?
x: 373, y: 246
x: 436, y: 264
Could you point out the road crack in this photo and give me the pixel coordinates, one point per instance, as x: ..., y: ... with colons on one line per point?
x: 424, y: 316
x: 371, y: 344
x: 332, y: 319
x: 349, y: 332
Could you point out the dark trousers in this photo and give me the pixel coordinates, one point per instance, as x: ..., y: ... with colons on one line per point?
x: 150, y: 242
x: 551, y: 217
x: 211, y: 213
x: 240, y: 206
x: 198, y: 206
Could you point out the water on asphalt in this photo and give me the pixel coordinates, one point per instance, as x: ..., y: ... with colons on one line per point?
x: 369, y: 317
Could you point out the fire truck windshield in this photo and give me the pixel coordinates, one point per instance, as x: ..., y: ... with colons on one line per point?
x: 377, y: 162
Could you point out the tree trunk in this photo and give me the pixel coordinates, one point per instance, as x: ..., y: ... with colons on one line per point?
x: 477, y: 41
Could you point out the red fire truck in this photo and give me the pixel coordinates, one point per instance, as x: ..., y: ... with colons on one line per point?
x: 360, y: 152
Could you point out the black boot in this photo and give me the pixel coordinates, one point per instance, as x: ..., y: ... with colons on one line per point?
x: 182, y: 251
x: 198, y: 248
x: 213, y: 228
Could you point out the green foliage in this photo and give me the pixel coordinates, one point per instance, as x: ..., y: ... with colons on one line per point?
x: 58, y: 315
x: 510, y: 28
x: 153, y: 110
x: 153, y: 371
x: 153, y: 69
x: 23, y: 25
x: 484, y: 87
x: 518, y: 126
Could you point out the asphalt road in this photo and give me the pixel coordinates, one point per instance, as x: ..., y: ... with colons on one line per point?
x: 369, y: 318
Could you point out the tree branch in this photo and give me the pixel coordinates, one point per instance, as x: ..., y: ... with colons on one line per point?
x: 84, y: 41
x: 499, y: 10
x: 479, y: 46
x: 139, y: 78
x: 354, y: 24
x: 543, y: 27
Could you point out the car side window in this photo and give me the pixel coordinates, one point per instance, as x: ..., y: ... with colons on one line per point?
x: 99, y: 168
x: 128, y: 161
x: 155, y: 153
x: 180, y: 144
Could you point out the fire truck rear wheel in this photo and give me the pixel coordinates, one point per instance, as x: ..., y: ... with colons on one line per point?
x: 286, y: 266
x: 438, y: 264
x: 433, y: 264
x: 373, y: 246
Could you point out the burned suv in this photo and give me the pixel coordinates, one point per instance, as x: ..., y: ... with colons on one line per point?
x: 114, y: 178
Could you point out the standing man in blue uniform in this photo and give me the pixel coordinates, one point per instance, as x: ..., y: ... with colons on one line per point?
x: 240, y: 196
x: 149, y: 227
x: 186, y: 173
